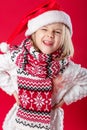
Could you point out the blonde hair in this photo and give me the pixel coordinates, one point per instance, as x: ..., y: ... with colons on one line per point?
x: 66, y: 43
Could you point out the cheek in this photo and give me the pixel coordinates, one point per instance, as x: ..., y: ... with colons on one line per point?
x: 38, y: 37
x: 37, y: 41
x: 58, y: 40
x: 35, y: 38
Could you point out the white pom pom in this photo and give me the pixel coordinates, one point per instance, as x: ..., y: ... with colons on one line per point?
x: 4, y: 47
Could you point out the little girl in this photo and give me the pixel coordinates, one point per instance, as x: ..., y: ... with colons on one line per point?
x: 39, y: 72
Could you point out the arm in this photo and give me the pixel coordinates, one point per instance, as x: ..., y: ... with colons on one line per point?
x: 76, y: 81
x: 8, y: 76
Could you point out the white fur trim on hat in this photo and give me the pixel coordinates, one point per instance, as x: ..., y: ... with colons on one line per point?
x: 48, y: 18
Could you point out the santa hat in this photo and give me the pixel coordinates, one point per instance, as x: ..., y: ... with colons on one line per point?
x: 48, y: 18
x: 46, y: 13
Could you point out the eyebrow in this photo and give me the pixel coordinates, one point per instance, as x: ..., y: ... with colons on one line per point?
x: 55, y: 28
x: 44, y: 26
x: 59, y: 29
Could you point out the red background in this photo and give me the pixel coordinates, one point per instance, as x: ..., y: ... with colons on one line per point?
x: 11, y: 12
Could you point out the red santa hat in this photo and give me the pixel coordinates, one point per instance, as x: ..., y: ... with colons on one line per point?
x: 46, y: 13
x: 48, y: 18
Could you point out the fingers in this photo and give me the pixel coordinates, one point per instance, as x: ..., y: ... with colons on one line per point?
x: 16, y: 98
x: 18, y: 102
x: 60, y: 104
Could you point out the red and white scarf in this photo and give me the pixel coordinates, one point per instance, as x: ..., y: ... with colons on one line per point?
x: 39, y: 64
x: 35, y: 93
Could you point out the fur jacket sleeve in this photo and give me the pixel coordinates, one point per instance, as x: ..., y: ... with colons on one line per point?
x: 8, y: 76
x: 74, y: 81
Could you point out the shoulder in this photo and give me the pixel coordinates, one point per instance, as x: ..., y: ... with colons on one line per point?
x: 73, y: 70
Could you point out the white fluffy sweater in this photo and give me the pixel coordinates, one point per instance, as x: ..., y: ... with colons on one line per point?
x: 74, y: 88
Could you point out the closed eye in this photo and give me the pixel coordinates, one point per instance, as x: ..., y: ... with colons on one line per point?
x: 44, y: 29
x: 58, y: 32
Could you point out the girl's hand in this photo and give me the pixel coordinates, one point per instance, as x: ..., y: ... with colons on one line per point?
x: 57, y: 83
x: 16, y: 98
x: 60, y: 104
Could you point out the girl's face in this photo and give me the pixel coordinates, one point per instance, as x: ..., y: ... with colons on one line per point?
x: 48, y: 38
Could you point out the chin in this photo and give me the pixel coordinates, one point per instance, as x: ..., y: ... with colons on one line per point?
x: 47, y: 52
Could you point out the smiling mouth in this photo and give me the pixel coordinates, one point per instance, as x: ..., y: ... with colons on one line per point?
x: 48, y: 43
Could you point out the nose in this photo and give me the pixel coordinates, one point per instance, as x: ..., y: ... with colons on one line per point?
x: 50, y: 34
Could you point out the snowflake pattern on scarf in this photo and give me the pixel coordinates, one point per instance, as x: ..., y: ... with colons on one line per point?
x: 35, y: 73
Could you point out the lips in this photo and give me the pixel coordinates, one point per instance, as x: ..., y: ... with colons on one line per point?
x: 48, y: 43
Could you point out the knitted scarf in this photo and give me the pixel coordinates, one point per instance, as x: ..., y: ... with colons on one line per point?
x: 35, y: 74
